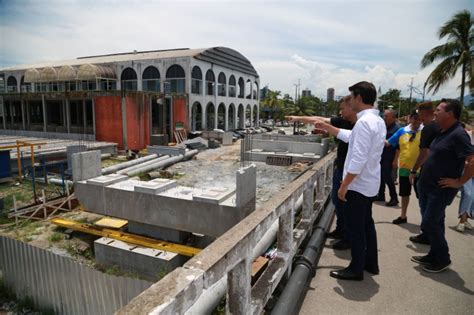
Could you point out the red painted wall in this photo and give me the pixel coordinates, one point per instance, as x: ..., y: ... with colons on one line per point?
x: 108, y: 117
x: 138, y: 122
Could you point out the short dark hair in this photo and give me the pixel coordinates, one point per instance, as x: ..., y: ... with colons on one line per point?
x: 366, y: 90
x: 454, y: 106
x: 425, y: 106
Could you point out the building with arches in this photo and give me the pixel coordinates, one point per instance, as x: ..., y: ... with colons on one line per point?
x: 127, y: 97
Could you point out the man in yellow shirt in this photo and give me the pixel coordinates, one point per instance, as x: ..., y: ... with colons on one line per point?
x: 407, y: 142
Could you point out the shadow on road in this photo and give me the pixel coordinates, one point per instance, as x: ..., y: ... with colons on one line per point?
x: 358, y: 291
x: 419, y: 248
x: 449, y: 277
x: 412, y: 228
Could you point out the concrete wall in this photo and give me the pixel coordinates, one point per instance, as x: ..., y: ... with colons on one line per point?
x: 149, y: 263
x: 85, y: 165
x: 288, y: 146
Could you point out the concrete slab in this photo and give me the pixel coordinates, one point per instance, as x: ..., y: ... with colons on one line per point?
x: 166, y: 150
x: 214, y: 195
x: 150, y: 263
x: 155, y: 186
x: 402, y: 286
x: 106, y: 180
x: 85, y: 165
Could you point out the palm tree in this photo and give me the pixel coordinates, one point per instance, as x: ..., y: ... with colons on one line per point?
x: 272, y: 102
x: 455, y: 53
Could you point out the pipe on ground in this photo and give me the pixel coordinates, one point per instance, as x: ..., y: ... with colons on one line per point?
x: 114, y: 168
x: 290, y: 300
x: 55, y: 181
x: 161, y: 164
x: 137, y: 166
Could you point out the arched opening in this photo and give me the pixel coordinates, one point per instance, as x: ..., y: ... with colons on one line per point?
x: 241, y: 88
x: 248, y: 89
x: 221, y: 86
x: 196, y: 116
x: 151, y: 79
x: 210, y: 82
x: 231, y: 117
x: 24, y: 86
x: 255, y: 90
x: 12, y: 84
x: 210, y: 116
x: 241, y: 117
x: 255, y: 115
x: 196, y: 82
x: 232, y: 87
x: 175, y: 79
x: 129, y: 80
x: 248, y: 115
x: 221, y: 116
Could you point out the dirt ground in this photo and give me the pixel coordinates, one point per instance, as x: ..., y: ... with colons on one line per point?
x: 217, y: 167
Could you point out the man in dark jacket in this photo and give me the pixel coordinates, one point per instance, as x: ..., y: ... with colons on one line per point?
x: 386, y: 162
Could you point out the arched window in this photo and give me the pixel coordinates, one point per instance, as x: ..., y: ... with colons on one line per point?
x: 241, y: 88
x: 196, y: 83
x: 232, y: 87
x: 248, y: 89
x: 129, y: 79
x: 255, y: 90
x: 151, y: 79
x: 25, y: 87
x: 12, y: 84
x: 210, y: 82
x: 175, y: 79
x: 221, y: 84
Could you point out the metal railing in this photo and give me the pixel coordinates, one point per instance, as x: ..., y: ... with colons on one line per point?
x: 230, y: 254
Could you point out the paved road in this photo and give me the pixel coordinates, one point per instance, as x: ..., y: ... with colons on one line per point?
x: 402, y: 286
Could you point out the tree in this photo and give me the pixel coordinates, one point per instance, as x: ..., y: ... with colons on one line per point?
x: 305, y: 106
x: 272, y: 102
x: 454, y: 54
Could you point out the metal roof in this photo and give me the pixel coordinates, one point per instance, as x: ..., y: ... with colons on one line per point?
x: 222, y: 56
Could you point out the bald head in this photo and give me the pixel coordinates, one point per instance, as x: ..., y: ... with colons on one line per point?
x: 390, y: 116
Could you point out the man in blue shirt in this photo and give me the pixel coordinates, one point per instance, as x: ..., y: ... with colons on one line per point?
x: 443, y: 173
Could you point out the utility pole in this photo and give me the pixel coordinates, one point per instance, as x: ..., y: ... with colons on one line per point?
x: 296, y: 91
x: 411, y: 88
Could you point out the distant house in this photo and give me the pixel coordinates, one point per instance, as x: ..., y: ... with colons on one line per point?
x: 126, y: 97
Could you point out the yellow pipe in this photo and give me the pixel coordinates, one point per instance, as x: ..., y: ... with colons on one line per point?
x: 127, y: 237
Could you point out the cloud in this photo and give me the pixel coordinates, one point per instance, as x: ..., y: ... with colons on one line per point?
x: 319, y: 76
x: 319, y: 42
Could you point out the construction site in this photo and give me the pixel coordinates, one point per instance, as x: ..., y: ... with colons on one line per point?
x: 135, y: 217
x: 123, y: 172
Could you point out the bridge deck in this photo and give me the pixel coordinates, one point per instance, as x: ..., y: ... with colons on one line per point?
x: 402, y: 286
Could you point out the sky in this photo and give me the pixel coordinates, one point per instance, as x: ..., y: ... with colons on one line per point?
x: 320, y: 44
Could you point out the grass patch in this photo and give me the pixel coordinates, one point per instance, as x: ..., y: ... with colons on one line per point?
x: 56, y: 237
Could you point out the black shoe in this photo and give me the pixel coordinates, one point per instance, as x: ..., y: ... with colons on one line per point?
x: 341, y: 245
x: 422, y: 260
x: 335, y: 234
x: 399, y: 220
x: 435, y: 267
x: 346, y: 274
x: 392, y: 203
x: 379, y: 198
x: 420, y: 238
x: 372, y: 270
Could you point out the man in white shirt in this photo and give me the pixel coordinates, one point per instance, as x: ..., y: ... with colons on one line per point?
x: 361, y: 180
